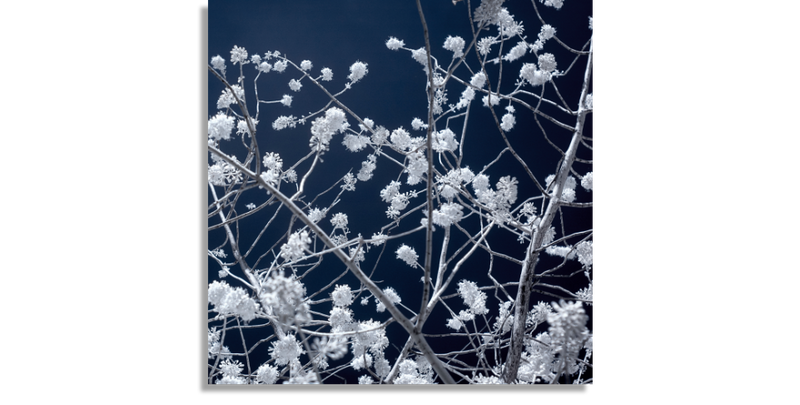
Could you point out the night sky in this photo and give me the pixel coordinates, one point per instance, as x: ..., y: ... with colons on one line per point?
x: 337, y: 34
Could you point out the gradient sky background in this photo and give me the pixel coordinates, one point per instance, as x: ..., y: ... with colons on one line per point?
x: 335, y: 35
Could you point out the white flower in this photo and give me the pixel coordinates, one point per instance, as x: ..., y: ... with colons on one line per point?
x: 516, y: 52
x: 547, y: 62
x: 357, y: 71
x: 391, y: 294
x: 218, y: 63
x: 220, y: 126
x: 339, y: 221
x: 286, y: 100
x: 508, y: 122
x: 585, y: 252
x: 454, y: 323
x: 407, y: 254
x: 455, y: 45
x: 485, y: 45
x: 316, y: 214
x: 444, y: 140
x: 349, y: 182
x: 355, y: 143
x: 417, y: 124
x: 378, y: 239
x: 285, y: 350
x: 267, y: 374
x: 265, y: 67
x: 401, y: 139
x: 305, y: 65
x: 295, y: 248
x: 342, y: 296
x: 295, y: 85
x: 420, y: 56
x: 473, y: 297
x: 283, y: 122
x: 587, y: 181
x: 448, y: 214
x: 340, y: 318
x: 394, y: 43
x: 553, y: 3
x: 327, y: 74
x: 280, y: 66
x: 534, y: 76
x: 272, y: 160
x: 389, y: 191
x: 238, y: 55
x: 547, y: 32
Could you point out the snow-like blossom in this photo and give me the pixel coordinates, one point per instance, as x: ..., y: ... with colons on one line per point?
x: 553, y: 3
x: 267, y: 374
x: 286, y: 100
x: 285, y: 298
x: 417, y: 166
x: 339, y: 221
x: 547, y: 62
x: 394, y: 43
x: 238, y: 55
x: 349, y: 182
x: 264, y: 67
x: 407, y: 254
x: 585, y: 252
x: 218, y: 63
x: 490, y: 98
x: 533, y: 75
x: 378, y: 239
x: 285, y: 350
x: 295, y: 85
x: 455, y: 45
x: 444, y: 140
x: 227, y: 98
x: 480, y: 182
x: 231, y: 301
x: 355, y: 143
x: 357, y: 71
x: 420, y: 56
x: 401, y: 139
x: 280, y: 66
x: 418, y: 125
x: 587, y: 181
x: 485, y: 45
x: 255, y: 59
x: 340, y: 317
x: 466, y: 96
x: 220, y: 126
x: 295, y: 248
x: 305, y: 65
x: 272, y: 160
x: 231, y: 368
x: 327, y: 74
x: 568, y: 332
x: 488, y: 12
x: 283, y: 122
x: 323, y: 128
x: 586, y: 293
x: 390, y: 190
x: 367, y: 167
x: 547, y: 32
x: 454, y: 323
x: 365, y: 379
x: 342, y: 295
x: 316, y: 214
x: 448, y: 214
x: 390, y: 294
x: 289, y: 176
x: 516, y: 52
x: 508, y: 122
x: 473, y: 297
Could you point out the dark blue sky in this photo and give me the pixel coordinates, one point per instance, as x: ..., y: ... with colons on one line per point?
x: 336, y: 34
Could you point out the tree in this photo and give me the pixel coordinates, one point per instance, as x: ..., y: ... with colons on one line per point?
x: 483, y: 256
